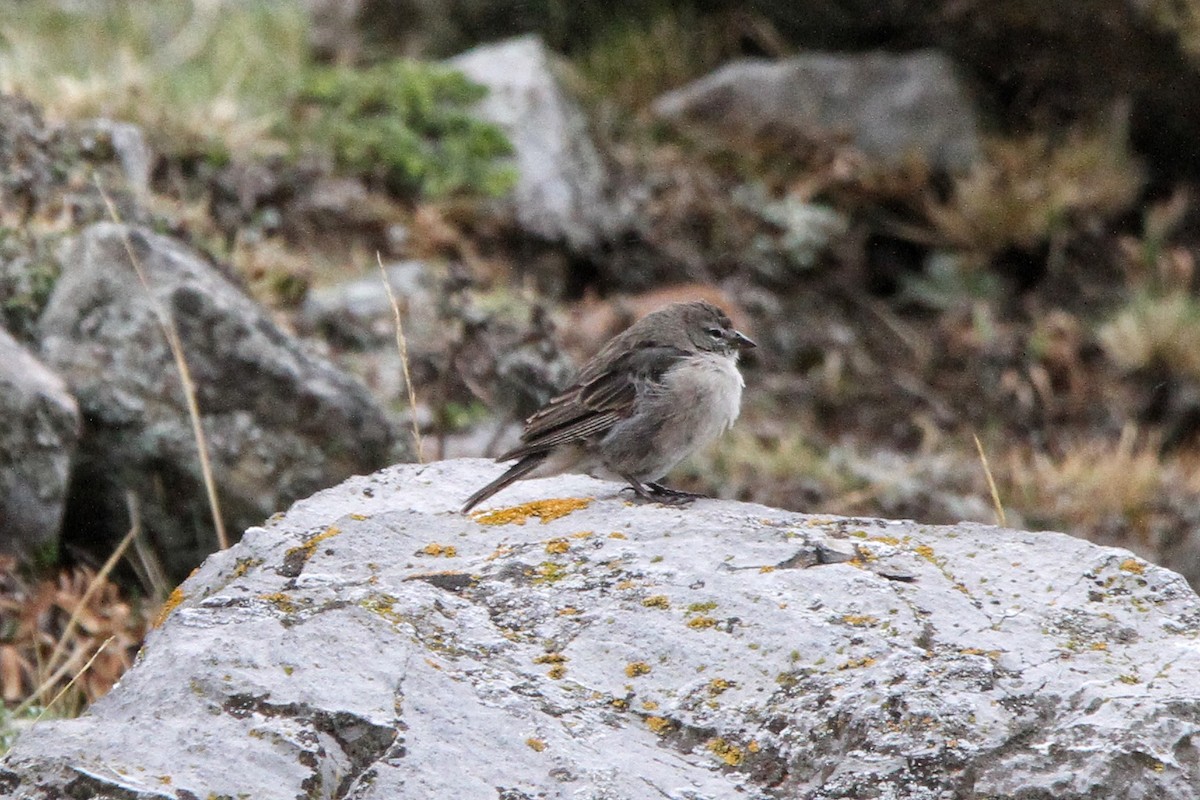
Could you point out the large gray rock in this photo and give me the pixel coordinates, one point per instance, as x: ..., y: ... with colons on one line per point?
x: 280, y: 422
x: 39, y: 427
x: 374, y: 643
x: 892, y: 107
x: 563, y: 190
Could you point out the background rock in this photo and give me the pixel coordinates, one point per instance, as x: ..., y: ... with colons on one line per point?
x: 892, y: 107
x: 372, y: 636
x: 280, y: 422
x: 39, y: 427
x: 562, y: 191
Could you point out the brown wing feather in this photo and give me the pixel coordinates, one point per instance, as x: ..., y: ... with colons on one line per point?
x: 597, y: 402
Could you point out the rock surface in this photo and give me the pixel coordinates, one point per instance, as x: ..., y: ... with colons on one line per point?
x: 373, y: 643
x: 892, y: 107
x: 39, y: 427
x: 280, y: 422
x: 563, y: 186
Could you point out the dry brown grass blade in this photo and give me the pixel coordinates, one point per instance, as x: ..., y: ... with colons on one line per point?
x: 83, y: 670
x: 402, y: 346
x: 98, y: 580
x: 1001, y: 519
x: 185, y: 376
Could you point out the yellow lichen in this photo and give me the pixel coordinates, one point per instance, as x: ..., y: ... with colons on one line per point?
x: 855, y: 663
x: 549, y: 572
x: 766, y: 568
x: 617, y: 535
x: 545, y: 510
x: 731, y: 754
x: 625, y: 585
x: 635, y: 668
x: 557, y: 546
x: 859, y: 620
x: 280, y: 601
x: 649, y: 705
x: 701, y: 622
x: 537, y: 745
x: 308, y: 548
x: 924, y: 551
x: 359, y: 517
x: 583, y: 535
x: 658, y: 725
x: 753, y: 746
x: 172, y: 602
x: 718, y: 685
x: 1134, y: 566
x: 657, y: 601
x: 697, y: 608
x: 549, y: 658
x: 619, y: 703
x: 244, y: 565
x: 556, y: 672
x: 568, y: 611
x: 439, y: 550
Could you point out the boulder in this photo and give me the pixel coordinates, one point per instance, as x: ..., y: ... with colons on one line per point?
x: 372, y: 642
x: 891, y: 107
x: 39, y: 427
x: 563, y: 191
x: 280, y: 422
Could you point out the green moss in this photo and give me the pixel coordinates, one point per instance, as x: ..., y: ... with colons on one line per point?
x: 407, y: 122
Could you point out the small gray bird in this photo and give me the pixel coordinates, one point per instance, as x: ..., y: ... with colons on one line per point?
x: 654, y: 394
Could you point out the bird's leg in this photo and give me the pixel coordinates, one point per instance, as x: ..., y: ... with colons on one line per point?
x: 660, y: 491
x: 638, y: 489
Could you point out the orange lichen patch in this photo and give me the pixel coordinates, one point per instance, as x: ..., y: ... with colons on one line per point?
x: 439, y: 550
x: 617, y: 535
x: 859, y: 620
x: 568, y: 611
x: 556, y: 672
x: 583, y: 535
x: 635, y: 668
x: 731, y: 754
x: 1133, y: 565
x: 753, y: 746
x: 700, y: 623
x: 649, y: 705
x: 856, y: 663
x: 557, y: 546
x: 924, y: 551
x: 280, y: 601
x: 359, y: 517
x: 550, y: 658
x: 766, y: 568
x: 658, y: 725
x: 499, y: 552
x: 718, y: 685
x: 619, y: 703
x: 657, y: 601
x: 308, y: 548
x: 170, y: 604
x: 536, y: 745
x: 1098, y: 646
x: 545, y: 510
x: 626, y: 585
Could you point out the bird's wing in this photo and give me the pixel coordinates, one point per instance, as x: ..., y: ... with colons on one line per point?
x: 598, y: 401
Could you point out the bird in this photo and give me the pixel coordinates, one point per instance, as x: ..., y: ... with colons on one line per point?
x: 655, y: 393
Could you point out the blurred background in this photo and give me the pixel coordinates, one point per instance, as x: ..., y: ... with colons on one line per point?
x: 964, y: 234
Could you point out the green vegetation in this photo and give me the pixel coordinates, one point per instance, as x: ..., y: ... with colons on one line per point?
x: 214, y: 81
x: 408, y: 121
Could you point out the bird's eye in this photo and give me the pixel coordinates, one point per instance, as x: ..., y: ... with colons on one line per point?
x: 715, y: 333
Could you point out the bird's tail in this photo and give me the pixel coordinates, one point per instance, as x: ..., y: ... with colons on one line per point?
x: 517, y: 471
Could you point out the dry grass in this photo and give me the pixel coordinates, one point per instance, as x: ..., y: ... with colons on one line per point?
x: 1026, y: 190
x: 402, y: 346
x: 1091, y: 485
x: 1155, y: 331
x: 204, y: 76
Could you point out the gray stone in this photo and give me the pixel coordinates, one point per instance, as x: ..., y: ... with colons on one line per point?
x: 892, y: 107
x: 628, y: 651
x: 129, y: 145
x: 358, y: 313
x: 280, y: 421
x: 39, y: 428
x: 563, y: 190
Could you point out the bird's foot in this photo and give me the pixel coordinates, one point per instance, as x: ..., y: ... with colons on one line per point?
x: 657, y: 493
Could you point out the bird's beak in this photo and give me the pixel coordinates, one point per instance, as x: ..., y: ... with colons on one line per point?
x: 741, y: 341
